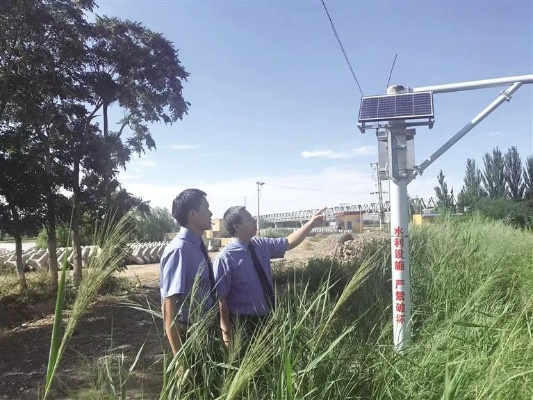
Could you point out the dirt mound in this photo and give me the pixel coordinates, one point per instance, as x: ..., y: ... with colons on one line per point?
x: 354, y: 248
x: 325, y: 247
x: 348, y: 246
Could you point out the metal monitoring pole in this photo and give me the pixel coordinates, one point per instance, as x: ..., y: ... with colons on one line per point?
x: 399, y: 108
x: 259, y: 184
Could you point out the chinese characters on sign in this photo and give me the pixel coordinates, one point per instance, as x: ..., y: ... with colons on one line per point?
x: 399, y: 265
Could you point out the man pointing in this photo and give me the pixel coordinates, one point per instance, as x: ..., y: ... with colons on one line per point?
x: 243, y: 272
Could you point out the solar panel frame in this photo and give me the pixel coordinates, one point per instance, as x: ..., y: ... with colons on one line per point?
x: 396, y: 106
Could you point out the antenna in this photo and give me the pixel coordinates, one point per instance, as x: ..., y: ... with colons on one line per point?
x: 259, y: 184
x: 392, y: 69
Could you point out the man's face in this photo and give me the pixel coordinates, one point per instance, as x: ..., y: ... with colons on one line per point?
x: 248, y: 225
x: 201, y: 218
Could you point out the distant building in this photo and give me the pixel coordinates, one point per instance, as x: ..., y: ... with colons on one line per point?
x: 350, y: 220
x: 423, y: 219
x: 218, y: 230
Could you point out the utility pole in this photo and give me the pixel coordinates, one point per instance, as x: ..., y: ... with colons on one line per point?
x: 259, y: 184
x: 380, y: 196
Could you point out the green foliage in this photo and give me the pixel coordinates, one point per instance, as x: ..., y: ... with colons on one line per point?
x: 494, y: 174
x: 472, y: 189
x: 276, y: 232
x: 62, y: 237
x: 151, y: 226
x: 61, y: 68
x: 111, y: 238
x: 38, y: 290
x: 445, y: 200
x: 513, y: 174
x: 472, y: 302
x: 517, y: 214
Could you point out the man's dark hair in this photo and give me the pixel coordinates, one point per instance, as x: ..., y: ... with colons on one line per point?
x: 233, y: 217
x: 185, y: 202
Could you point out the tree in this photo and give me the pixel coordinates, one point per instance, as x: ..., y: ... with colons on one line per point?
x: 528, y: 178
x: 152, y: 226
x: 21, y: 201
x: 516, y: 213
x: 472, y: 190
x: 513, y: 174
x: 445, y: 201
x: 494, y: 174
x: 139, y: 69
x: 44, y: 43
x: 57, y: 72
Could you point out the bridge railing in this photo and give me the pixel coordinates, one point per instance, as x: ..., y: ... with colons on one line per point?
x: 368, y: 208
x: 320, y: 229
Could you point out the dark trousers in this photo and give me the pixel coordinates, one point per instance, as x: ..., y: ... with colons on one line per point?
x: 197, y: 362
x: 250, y: 325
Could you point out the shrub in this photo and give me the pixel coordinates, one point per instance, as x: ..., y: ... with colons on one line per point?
x: 62, y: 237
x: 152, y: 226
x: 276, y: 232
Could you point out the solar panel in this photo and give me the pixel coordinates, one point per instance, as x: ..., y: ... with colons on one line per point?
x: 396, y: 106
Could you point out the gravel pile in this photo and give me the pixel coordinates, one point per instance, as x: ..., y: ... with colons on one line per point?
x: 325, y: 246
x: 347, y: 246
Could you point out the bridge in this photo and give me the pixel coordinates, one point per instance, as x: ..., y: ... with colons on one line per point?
x: 418, y: 205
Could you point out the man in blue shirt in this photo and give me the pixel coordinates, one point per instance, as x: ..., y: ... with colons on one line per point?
x: 243, y: 272
x: 184, y: 260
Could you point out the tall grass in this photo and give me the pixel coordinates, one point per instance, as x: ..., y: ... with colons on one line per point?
x: 111, y: 237
x: 331, y: 335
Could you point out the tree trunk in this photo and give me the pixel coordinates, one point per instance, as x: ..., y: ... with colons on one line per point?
x: 106, y: 122
x: 20, y: 265
x: 76, y: 240
x: 107, y: 179
x: 50, y: 214
x: 18, y: 250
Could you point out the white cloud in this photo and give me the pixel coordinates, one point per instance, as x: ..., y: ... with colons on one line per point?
x: 292, y: 192
x: 217, y: 153
x: 329, y: 187
x: 184, y: 146
x: 335, y: 155
x: 494, y: 133
x: 142, y: 161
x: 147, y: 163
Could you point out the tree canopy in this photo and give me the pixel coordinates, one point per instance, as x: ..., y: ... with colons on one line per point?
x: 59, y: 73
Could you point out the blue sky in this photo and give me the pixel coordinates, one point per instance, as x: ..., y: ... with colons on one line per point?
x: 272, y: 98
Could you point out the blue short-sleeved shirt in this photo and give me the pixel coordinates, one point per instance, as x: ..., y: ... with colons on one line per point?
x: 236, y: 277
x: 181, y: 262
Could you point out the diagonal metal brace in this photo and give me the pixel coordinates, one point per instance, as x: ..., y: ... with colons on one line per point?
x: 504, y: 96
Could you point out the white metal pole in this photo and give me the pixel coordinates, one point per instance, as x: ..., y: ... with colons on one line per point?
x: 481, y: 84
x: 401, y: 282
x: 259, y: 184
